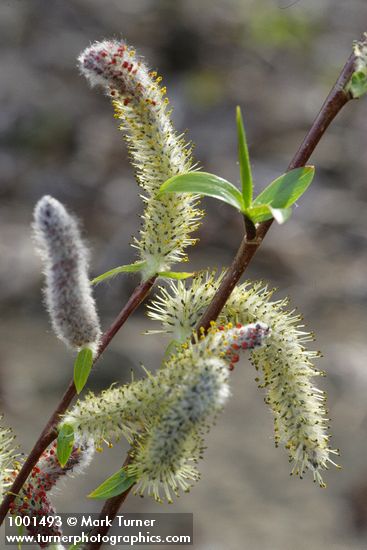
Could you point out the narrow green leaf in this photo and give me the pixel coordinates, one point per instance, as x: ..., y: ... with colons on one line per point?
x: 129, y: 268
x: 178, y: 275
x: 202, y: 183
x: 259, y: 213
x: 285, y: 190
x: 281, y: 215
x: 65, y: 441
x: 244, y: 159
x: 82, y: 367
x: 113, y: 486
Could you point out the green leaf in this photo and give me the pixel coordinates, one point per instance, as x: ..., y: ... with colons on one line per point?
x: 285, y: 190
x: 358, y: 84
x: 65, y: 442
x: 244, y: 159
x: 178, y: 275
x: 113, y: 486
x: 259, y: 213
x: 130, y: 268
x: 82, y: 367
x: 206, y: 184
x: 281, y: 215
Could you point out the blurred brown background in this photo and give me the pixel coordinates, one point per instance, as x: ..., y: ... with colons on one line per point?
x: 59, y: 137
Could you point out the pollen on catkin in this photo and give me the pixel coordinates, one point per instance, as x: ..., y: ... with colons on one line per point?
x: 179, y: 316
x: 287, y: 365
x: 68, y: 291
x: 157, y: 152
x: 165, y: 454
x: 165, y: 416
x: 196, y: 377
x: 33, y: 499
x: 116, y: 412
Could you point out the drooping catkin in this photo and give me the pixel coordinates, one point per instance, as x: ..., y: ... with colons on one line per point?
x: 287, y: 365
x: 68, y: 291
x: 157, y: 152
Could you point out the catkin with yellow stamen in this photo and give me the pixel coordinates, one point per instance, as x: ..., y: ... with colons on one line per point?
x: 287, y: 365
x: 157, y: 152
x: 115, y: 412
x: 165, y: 455
x: 166, y: 415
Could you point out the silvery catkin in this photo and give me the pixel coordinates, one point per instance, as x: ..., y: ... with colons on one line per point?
x: 68, y: 292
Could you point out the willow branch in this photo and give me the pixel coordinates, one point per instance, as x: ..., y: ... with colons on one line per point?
x: 333, y: 104
x: 335, y: 101
x: 49, y: 433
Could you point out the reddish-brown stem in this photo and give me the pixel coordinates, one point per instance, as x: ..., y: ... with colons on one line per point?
x: 49, y: 433
x: 333, y: 104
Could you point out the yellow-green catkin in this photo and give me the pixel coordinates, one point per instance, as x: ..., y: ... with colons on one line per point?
x: 157, y: 152
x: 165, y: 416
x: 196, y: 382
x: 121, y: 411
x: 286, y: 363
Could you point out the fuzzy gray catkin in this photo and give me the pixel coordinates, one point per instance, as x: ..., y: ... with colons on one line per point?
x: 68, y: 291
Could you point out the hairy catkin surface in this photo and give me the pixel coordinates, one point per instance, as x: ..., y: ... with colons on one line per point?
x: 285, y: 362
x: 165, y: 416
x: 68, y: 292
x: 34, y: 501
x: 157, y: 151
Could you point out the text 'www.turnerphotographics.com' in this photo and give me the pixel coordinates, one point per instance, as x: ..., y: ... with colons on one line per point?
x: 124, y: 530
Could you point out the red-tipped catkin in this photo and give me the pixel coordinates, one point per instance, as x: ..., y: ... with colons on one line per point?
x: 157, y: 151
x: 33, y: 500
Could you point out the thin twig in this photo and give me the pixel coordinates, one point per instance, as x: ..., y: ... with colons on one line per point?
x: 333, y: 104
x: 49, y: 433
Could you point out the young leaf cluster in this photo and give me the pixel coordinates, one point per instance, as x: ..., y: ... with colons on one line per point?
x: 275, y: 201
